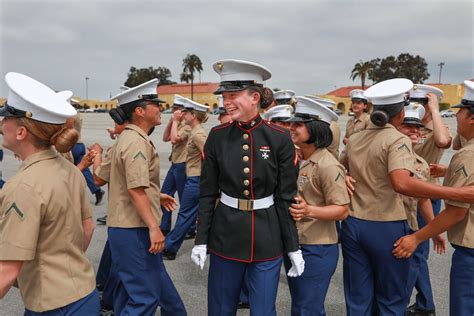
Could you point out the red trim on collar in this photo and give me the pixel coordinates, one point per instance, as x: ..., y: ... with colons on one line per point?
x: 252, y: 119
x: 250, y: 129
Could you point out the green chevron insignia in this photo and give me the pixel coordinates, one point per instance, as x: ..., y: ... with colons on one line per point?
x: 138, y: 155
x: 339, y: 176
x: 14, y: 208
x: 461, y: 169
x: 404, y: 146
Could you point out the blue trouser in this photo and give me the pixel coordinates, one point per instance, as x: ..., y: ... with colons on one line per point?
x: 186, y: 215
x: 88, y: 305
x: 461, y: 287
x: 140, y: 276
x: 78, y: 151
x: 225, y: 281
x: 308, y: 291
x: 103, y: 271
x: 174, y: 182
x: 424, y: 297
x: 244, y: 291
x: 374, y: 280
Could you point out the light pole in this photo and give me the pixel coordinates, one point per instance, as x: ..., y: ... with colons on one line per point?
x: 440, y: 65
x: 87, y: 88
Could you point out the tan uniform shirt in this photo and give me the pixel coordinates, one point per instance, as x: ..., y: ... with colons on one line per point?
x: 78, y: 125
x: 194, y: 147
x: 69, y: 157
x: 336, y: 139
x: 43, y: 207
x: 461, y: 173
x: 357, y: 124
x: 372, y: 154
x: 178, y: 151
x: 321, y: 182
x: 427, y: 148
x: 422, y: 172
x: 134, y: 163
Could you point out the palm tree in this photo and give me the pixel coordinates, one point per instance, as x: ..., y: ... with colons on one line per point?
x: 361, y: 70
x: 191, y: 63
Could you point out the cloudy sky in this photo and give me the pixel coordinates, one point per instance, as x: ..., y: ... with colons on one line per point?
x: 310, y: 46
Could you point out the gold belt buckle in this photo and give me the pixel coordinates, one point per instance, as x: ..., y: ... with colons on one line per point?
x: 245, y: 205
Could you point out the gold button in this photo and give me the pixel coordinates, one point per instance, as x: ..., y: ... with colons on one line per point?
x: 246, y: 136
x: 246, y: 170
x: 246, y: 192
x: 245, y: 158
x: 246, y: 182
x: 245, y: 147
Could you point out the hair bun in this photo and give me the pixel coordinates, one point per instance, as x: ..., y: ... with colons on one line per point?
x: 65, y: 139
x: 267, y: 98
x: 379, y: 118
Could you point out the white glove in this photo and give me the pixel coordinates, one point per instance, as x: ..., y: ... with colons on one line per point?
x: 297, y: 264
x: 199, y: 255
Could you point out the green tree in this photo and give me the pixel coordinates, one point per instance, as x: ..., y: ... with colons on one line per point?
x: 191, y: 64
x: 405, y: 65
x: 361, y: 70
x: 137, y: 76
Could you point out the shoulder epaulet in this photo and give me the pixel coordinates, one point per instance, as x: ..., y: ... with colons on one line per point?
x: 222, y: 126
x: 275, y: 127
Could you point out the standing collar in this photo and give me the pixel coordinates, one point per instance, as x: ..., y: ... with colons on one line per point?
x: 137, y: 129
x: 250, y: 124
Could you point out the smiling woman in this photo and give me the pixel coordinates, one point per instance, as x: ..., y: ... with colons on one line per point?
x: 248, y: 182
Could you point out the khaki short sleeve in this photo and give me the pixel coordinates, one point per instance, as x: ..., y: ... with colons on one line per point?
x: 459, y: 175
x: 86, y: 209
x: 199, y: 140
x: 103, y: 171
x: 333, y: 184
x: 400, y: 156
x: 136, y: 160
x: 20, y: 223
x: 183, y: 133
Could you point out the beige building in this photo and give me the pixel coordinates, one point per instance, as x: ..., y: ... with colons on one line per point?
x: 203, y: 93
x: 453, y: 94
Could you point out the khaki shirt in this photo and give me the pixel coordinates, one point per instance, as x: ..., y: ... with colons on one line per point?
x: 427, y: 148
x: 321, y: 182
x: 134, y: 163
x: 178, y: 151
x: 336, y: 139
x: 194, y: 148
x: 422, y: 172
x: 78, y: 125
x: 372, y: 154
x: 103, y: 171
x: 461, y: 173
x: 42, y: 209
x: 356, y: 124
x: 68, y: 156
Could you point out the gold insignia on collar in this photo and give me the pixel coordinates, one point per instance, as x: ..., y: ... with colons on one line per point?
x: 28, y: 114
x: 252, y: 124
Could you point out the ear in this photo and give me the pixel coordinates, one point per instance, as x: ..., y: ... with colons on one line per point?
x: 21, y: 133
x: 255, y: 97
x: 140, y: 111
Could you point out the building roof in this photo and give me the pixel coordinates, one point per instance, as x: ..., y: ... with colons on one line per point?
x: 344, y: 91
x: 181, y: 88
